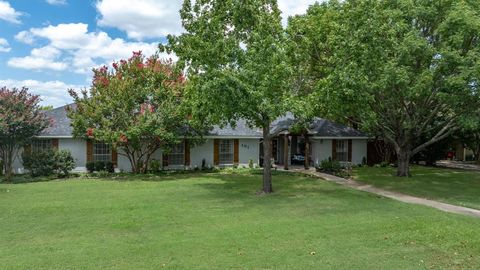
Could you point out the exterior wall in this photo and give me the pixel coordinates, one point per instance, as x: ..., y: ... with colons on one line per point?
x: 359, y: 151
x: 17, y: 163
x: 249, y: 149
x: 200, y: 152
x: 321, y: 150
x: 78, y: 148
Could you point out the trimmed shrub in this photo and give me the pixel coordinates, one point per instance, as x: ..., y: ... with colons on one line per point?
x: 155, y: 165
x: 250, y: 163
x: 90, y: 166
x: 41, y: 163
x: 109, y: 167
x: 99, y: 166
x: 329, y: 166
x: 64, y: 163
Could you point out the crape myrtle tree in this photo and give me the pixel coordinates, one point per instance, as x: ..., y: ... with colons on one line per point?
x: 137, y: 107
x: 404, y: 69
x: 20, y: 120
x: 234, y: 54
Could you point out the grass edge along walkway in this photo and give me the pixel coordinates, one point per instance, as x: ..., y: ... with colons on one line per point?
x: 393, y: 195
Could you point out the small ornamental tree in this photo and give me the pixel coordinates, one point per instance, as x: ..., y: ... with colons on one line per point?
x: 20, y: 120
x: 137, y: 107
x: 234, y: 52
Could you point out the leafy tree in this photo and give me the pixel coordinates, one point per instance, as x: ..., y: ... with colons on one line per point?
x: 404, y: 69
x: 234, y: 52
x: 20, y: 120
x: 64, y: 163
x: 309, y: 57
x: 39, y: 163
x: 137, y: 107
x: 470, y: 136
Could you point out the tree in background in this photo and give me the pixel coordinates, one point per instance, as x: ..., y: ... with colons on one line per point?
x: 309, y: 57
x: 20, y: 120
x: 404, y: 69
x: 137, y: 107
x: 470, y: 136
x: 234, y: 52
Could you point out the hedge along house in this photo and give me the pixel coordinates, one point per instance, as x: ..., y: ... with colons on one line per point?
x: 222, y: 147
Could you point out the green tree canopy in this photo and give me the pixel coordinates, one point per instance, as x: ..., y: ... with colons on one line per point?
x: 234, y: 52
x: 403, y: 69
x: 137, y: 107
x: 20, y: 120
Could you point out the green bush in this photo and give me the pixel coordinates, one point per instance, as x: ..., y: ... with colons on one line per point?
x: 99, y: 166
x: 155, y: 165
x: 90, y: 166
x: 330, y: 166
x: 1, y: 167
x: 250, y: 163
x: 64, y: 163
x: 109, y: 167
x: 364, y: 161
x: 39, y: 163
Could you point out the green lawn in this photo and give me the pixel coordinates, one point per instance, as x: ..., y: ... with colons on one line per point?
x: 216, y: 221
x: 460, y: 187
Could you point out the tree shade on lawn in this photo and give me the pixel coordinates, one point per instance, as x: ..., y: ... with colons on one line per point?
x: 458, y: 187
x: 216, y: 221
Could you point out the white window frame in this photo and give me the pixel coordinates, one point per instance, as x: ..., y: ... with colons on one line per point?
x: 176, y: 157
x: 102, y: 152
x: 342, y: 150
x: 39, y: 145
x: 226, y: 152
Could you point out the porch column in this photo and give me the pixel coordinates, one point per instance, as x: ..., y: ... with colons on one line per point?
x: 307, y: 152
x: 285, y: 152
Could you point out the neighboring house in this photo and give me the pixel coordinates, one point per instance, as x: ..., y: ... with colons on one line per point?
x: 226, y: 146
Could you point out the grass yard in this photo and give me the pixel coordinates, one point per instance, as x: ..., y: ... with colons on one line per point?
x: 460, y: 187
x: 216, y: 221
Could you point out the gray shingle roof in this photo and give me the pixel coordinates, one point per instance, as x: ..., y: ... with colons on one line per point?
x: 61, y: 123
x: 319, y: 128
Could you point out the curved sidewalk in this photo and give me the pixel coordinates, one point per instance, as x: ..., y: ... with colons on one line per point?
x: 393, y: 195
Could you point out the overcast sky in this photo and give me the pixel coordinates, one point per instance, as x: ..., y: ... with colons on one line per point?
x: 52, y: 45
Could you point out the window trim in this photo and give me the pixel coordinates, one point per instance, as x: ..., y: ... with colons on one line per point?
x: 231, y: 160
x: 38, y: 145
x: 107, y: 154
x: 341, y: 145
x: 172, y: 155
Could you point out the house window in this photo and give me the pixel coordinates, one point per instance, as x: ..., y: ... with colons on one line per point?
x: 342, y: 150
x: 225, y: 152
x: 102, y: 152
x: 39, y: 145
x: 177, y: 155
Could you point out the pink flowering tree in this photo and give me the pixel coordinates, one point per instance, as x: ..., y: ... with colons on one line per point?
x: 137, y: 106
x: 20, y: 120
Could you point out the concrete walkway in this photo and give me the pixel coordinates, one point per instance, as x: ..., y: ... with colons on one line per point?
x: 465, y: 165
x: 393, y: 195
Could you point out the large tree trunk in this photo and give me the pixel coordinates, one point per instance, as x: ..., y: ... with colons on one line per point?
x: 403, y: 156
x: 267, y: 156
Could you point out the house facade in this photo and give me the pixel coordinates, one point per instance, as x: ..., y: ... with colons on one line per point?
x: 222, y: 147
